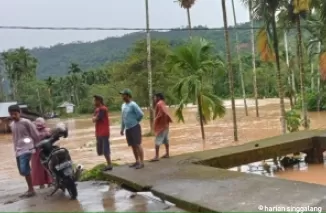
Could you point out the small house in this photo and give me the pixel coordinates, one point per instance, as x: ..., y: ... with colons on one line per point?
x: 66, y: 107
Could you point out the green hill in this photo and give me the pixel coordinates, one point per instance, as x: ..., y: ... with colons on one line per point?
x: 54, y: 61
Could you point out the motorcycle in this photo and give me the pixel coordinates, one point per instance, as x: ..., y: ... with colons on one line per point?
x: 57, y: 161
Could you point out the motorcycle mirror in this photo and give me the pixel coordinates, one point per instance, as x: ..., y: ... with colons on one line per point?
x: 61, y: 126
x: 27, y: 140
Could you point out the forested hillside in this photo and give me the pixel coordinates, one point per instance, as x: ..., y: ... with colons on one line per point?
x: 55, y: 60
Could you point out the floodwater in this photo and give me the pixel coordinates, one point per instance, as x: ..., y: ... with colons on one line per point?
x: 183, y: 138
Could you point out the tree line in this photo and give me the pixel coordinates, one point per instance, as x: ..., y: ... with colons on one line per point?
x: 195, y: 71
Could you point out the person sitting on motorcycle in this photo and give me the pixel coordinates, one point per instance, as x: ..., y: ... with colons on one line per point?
x: 40, y: 176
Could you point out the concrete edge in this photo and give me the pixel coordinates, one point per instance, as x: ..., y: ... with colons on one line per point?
x: 128, y: 184
x: 199, y: 157
x: 192, y: 207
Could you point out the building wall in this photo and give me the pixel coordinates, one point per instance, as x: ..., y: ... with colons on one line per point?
x: 4, y: 125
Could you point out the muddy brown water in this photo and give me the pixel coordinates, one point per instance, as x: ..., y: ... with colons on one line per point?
x: 183, y: 138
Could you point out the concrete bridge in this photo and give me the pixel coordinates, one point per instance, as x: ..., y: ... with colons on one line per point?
x: 199, y: 181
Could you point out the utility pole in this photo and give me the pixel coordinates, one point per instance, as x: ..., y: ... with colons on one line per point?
x: 149, y: 69
x: 39, y: 100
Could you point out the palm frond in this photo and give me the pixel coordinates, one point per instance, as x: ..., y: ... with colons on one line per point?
x: 179, y: 112
x: 265, y: 51
x: 187, y: 4
x: 322, y: 64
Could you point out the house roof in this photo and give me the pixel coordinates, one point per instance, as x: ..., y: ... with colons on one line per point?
x: 4, y: 108
x: 65, y: 104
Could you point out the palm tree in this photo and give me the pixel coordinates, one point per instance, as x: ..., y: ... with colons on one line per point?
x: 266, y: 10
x: 239, y: 61
x: 197, y: 59
x: 253, y: 53
x: 19, y: 65
x: 231, y: 74
x: 317, y: 41
x: 285, y: 24
x: 74, y: 69
x: 149, y: 68
x: 187, y: 4
x: 300, y: 8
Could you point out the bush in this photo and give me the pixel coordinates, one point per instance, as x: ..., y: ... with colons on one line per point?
x: 293, y: 121
x: 95, y: 173
x: 312, y: 101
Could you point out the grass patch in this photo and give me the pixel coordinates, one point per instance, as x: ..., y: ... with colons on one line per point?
x: 95, y: 173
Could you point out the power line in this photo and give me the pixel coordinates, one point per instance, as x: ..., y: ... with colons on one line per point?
x: 117, y: 28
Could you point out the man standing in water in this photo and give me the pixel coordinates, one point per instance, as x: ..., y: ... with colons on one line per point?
x: 21, y: 129
x: 131, y: 117
x: 102, y: 131
x: 161, y: 126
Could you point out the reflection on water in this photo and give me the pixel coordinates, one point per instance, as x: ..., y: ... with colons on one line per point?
x: 93, y: 197
x: 300, y: 171
x: 183, y: 138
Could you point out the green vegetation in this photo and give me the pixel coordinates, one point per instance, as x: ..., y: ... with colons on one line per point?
x: 95, y: 173
x: 55, y: 60
x: 293, y: 120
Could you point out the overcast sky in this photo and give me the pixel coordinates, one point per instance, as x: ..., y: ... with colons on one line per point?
x: 100, y: 13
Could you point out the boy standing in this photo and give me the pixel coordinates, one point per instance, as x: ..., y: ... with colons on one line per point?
x: 21, y: 129
x: 161, y: 126
x: 102, y: 131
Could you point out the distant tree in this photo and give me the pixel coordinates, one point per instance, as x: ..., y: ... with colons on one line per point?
x: 187, y: 4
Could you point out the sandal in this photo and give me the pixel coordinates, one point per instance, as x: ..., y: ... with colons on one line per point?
x: 133, y: 165
x: 165, y: 156
x: 28, y: 194
x: 139, y: 166
x: 107, y: 168
x: 154, y: 160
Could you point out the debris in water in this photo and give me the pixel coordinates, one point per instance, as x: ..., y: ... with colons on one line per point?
x: 133, y: 195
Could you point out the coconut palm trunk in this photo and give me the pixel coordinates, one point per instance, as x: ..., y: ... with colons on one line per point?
x: 301, y: 68
x: 279, y: 75
x: 253, y: 53
x: 312, y: 71
x: 149, y: 68
x: 201, y: 119
x: 318, y: 80
x: 291, y: 76
x: 229, y: 62
x: 239, y: 61
x: 189, y: 22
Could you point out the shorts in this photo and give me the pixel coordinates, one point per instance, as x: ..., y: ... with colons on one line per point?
x: 23, y: 165
x: 103, y: 145
x: 162, y: 138
x: 133, y: 135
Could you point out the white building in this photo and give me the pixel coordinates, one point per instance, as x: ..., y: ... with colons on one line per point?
x: 67, y: 107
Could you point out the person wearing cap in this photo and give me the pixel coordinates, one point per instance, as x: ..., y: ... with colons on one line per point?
x: 161, y: 126
x: 131, y: 117
x: 102, y: 130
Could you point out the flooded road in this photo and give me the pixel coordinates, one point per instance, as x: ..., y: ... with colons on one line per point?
x: 93, y: 197
x: 183, y: 138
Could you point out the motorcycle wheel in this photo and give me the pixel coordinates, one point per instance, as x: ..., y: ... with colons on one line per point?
x: 71, y: 187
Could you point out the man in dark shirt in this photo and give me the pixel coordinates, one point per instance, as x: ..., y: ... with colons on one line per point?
x: 102, y: 130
